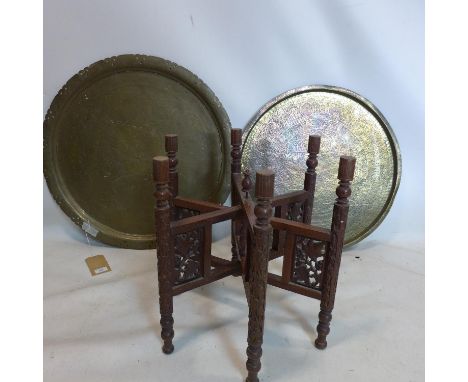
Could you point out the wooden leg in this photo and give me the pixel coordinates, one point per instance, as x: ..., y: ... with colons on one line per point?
x: 164, y: 250
x: 333, y: 257
x: 257, y: 294
x: 259, y: 272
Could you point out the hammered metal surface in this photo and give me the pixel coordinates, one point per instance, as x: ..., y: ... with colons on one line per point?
x: 349, y: 125
x: 105, y: 126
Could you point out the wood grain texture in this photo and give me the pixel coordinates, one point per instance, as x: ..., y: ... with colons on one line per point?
x: 333, y: 257
x: 164, y: 248
x: 264, y: 185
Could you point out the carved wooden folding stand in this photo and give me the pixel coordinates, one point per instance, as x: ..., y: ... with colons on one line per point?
x: 311, y: 255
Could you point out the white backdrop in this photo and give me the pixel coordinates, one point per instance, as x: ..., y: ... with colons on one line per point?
x: 247, y: 52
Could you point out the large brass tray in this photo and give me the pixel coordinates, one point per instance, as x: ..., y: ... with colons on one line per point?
x: 104, y: 127
x: 349, y: 125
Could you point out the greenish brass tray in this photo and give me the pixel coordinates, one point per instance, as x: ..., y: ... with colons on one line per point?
x: 349, y: 124
x: 105, y: 125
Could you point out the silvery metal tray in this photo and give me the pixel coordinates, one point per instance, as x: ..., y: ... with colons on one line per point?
x: 349, y: 124
x: 104, y: 127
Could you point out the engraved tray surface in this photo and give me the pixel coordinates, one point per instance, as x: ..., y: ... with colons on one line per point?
x: 277, y: 135
x: 103, y: 129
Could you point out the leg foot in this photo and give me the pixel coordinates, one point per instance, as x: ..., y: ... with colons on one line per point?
x: 320, y: 344
x: 323, y: 328
x: 254, y: 353
x: 168, y: 348
x: 252, y: 379
x: 167, y: 333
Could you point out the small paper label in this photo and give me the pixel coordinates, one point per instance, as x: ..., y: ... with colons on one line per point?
x: 101, y: 270
x: 97, y: 265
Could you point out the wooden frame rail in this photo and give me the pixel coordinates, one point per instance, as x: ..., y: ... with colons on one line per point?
x: 204, y: 219
x: 290, y: 197
x: 278, y: 282
x: 307, y: 230
x: 197, y: 205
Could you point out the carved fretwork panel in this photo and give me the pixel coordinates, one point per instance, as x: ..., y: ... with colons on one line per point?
x: 308, y: 262
x: 295, y: 211
x: 188, y: 252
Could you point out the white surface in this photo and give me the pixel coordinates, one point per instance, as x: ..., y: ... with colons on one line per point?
x: 106, y: 328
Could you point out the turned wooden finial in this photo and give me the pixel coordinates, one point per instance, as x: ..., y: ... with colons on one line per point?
x: 264, y: 184
x: 264, y: 187
x: 345, y: 175
x: 314, y: 144
x: 246, y: 183
x: 171, y: 144
x: 236, y: 137
x: 236, y: 143
x: 161, y: 169
x: 313, y: 150
x: 346, y: 168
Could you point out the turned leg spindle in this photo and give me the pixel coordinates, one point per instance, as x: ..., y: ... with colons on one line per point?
x: 333, y: 260
x: 162, y: 214
x: 171, y: 146
x: 264, y: 185
x: 310, y: 178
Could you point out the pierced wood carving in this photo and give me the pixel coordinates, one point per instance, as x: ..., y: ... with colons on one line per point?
x: 188, y: 252
x: 308, y: 262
